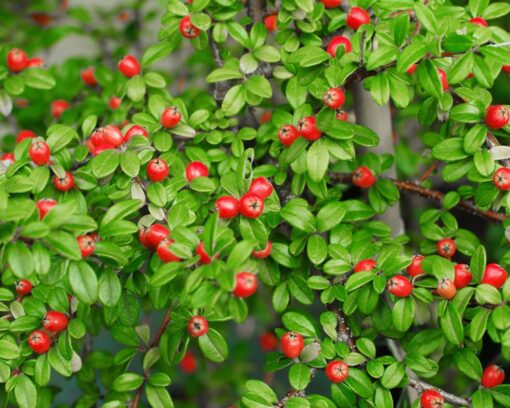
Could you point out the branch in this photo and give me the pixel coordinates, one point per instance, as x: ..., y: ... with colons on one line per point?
x: 221, y: 87
x: 431, y: 169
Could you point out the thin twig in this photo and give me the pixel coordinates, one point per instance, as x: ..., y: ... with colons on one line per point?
x: 428, y: 172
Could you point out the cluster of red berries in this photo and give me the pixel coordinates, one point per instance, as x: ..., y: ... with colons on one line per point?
x: 17, y: 60
x: 110, y: 137
x: 306, y: 128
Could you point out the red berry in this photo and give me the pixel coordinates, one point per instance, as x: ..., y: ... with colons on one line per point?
x: 307, y: 128
x: 341, y: 115
x: 501, y: 178
x: 263, y: 253
x: 251, y: 205
x: 497, y: 116
x: 205, y: 259
x: 246, y: 284
x: 363, y: 177
x: 196, y: 169
x: 334, y: 98
x: 129, y: 66
x: 188, y: 363
x: 271, y: 22
x: 157, y: 170
x: 25, y: 134
x: 365, y: 265
x: 506, y: 68
x: 114, y: 102
x: 268, y: 342
x: 412, y: 68
x: 39, y: 152
x: 44, y: 205
x: 8, y: 158
x: 39, y: 341
x: 150, y: 237
x: 494, y: 275
x: 331, y: 3
x: 357, y: 17
x: 23, y: 287
x: 415, y: 268
x: 399, y: 286
x: 446, y: 288
x: 35, y: 62
x: 479, y: 21
x: 164, y: 252
x: 187, y: 29
x: 17, y: 60
x: 197, y: 326
x: 446, y: 247
x: 170, y: 117
x: 288, y: 134
x: 261, y: 187
x: 135, y: 130
x: 55, y: 321
x: 87, y: 245
x: 337, y: 41
x: 88, y: 76
x: 292, y: 344
x: 111, y: 135
x: 463, y: 276
x: 493, y: 376
x: 444, y: 79
x: 65, y: 183
x: 58, y: 107
x: 265, y: 117
x: 337, y: 371
x: 431, y: 399
x: 227, y: 207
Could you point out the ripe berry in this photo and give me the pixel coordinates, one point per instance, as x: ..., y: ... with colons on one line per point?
x: 444, y: 79
x: 399, y: 286
x: 365, y: 265
x: 65, y: 183
x: 114, y: 102
x: 23, y: 287
x: 292, y: 344
x: 251, y: 205
x: 17, y: 60
x: 150, y: 237
x: 261, y: 187
x: 111, y: 135
x: 337, y: 41
x: 331, y: 3
x: 431, y: 399
x: 44, y: 205
x: 197, y: 326
x: 506, y: 68
x: 357, y: 17
x: 446, y: 288
x: 493, y: 376
x: 227, y: 207
x: 135, y: 130
x: 55, y: 321
x: 170, y: 117
x: 58, y: 107
x: 164, y: 252
x: 494, y: 275
x: 8, y: 158
x: 39, y: 152
x: 412, y: 68
x: 334, y: 98
x: 205, y: 259
x: 25, y: 134
x: 35, y: 62
x: 337, y: 371
x: 363, y: 177
x: 288, y: 134
x: 271, y: 22
x: 187, y: 29
x: 497, y: 116
x: 129, y: 66
x: 479, y: 21
x: 87, y: 245
x: 188, y: 363
x: 446, y: 247
x: 263, y: 253
x: 88, y: 76
x: 268, y: 341
x: 307, y: 128
x: 39, y: 341
x: 501, y: 178
x: 265, y: 117
x: 341, y: 115
x: 196, y: 169
x: 415, y: 268
x: 157, y: 170
x: 463, y: 276
x: 246, y: 284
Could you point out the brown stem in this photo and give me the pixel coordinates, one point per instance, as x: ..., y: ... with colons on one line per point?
x: 431, y: 169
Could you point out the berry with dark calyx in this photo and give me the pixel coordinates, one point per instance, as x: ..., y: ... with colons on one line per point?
x: 87, y: 245
x: 337, y: 41
x: 431, y: 399
x: 479, y: 21
x: 55, y: 321
x: 337, y: 371
x: 170, y: 117
x: 129, y: 66
x: 187, y: 29
x: 25, y: 134
x: 307, y: 128
x: 164, y: 252
x: 331, y: 3
x: 271, y: 22
x: 58, y: 107
x: 65, y: 183
x: 151, y: 237
x: 188, y: 363
x: 227, y: 207
x: 446, y: 288
x: 357, y: 17
x: 246, y: 285
x: 501, y: 178
x: 197, y: 326
x: 492, y: 376
x: 292, y: 344
x: 261, y: 187
x: 494, y: 275
x: 463, y: 276
x: 268, y: 342
x: 363, y: 177
x: 23, y: 287
x: 135, y: 130
x: 205, y: 259
x: 157, y: 170
x: 288, y: 135
x: 365, y: 265
x: 334, y: 98
x: 341, y: 115
x: 497, y: 116
x: 88, y: 76
x: 251, y: 205
x: 112, y: 135
x: 39, y: 152
x: 39, y: 341
x: 44, y: 205
x: 263, y: 253
x: 196, y: 169
x: 399, y: 286
x: 412, y: 68
x: 415, y: 268
x: 35, y: 62
x: 17, y: 60
x: 446, y: 247
x: 114, y: 102
x: 444, y: 79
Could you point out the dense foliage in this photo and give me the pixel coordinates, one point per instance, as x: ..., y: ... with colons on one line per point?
x: 175, y: 218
